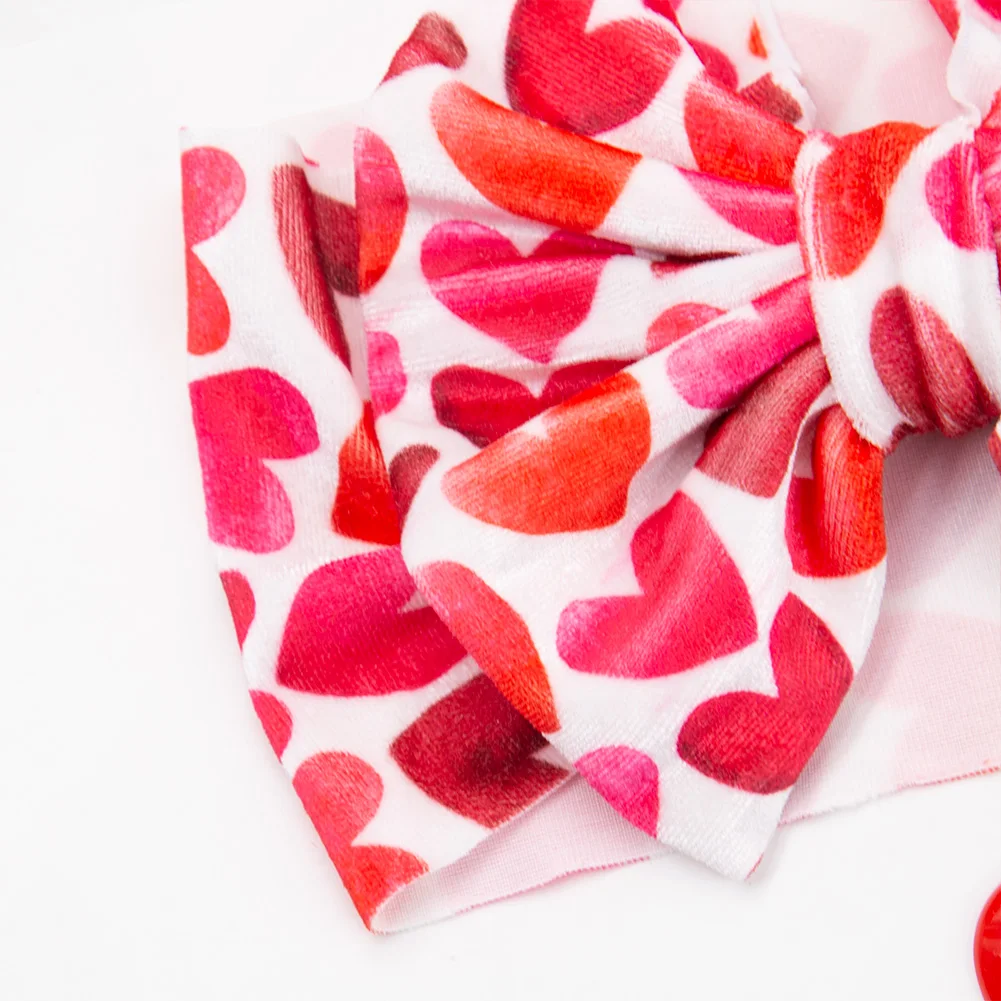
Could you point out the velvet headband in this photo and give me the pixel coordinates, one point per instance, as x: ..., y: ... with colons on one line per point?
x: 543, y: 405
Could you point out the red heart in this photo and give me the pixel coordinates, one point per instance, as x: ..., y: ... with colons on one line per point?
x: 678, y: 321
x: 275, y: 718
x: 382, y: 207
x: 240, y: 418
x: 208, y: 311
x: 299, y: 236
x: 574, y: 478
x: 834, y: 522
x: 407, y: 472
x: 579, y: 80
x: 524, y: 165
x: 496, y: 636
x: 241, y: 602
x: 694, y: 607
x: 713, y: 367
x: 767, y: 213
x: 484, y: 406
x: 348, y: 632
x: 752, y: 447
x: 760, y: 743
x: 474, y: 754
x: 341, y: 794
x: 434, y: 41
x: 717, y: 63
x: 730, y: 137
x: 363, y: 507
x: 529, y: 303
x: 851, y: 189
x: 924, y: 368
x: 628, y: 779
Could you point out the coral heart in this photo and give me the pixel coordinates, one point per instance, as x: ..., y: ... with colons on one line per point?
x: 573, y: 477
x: 474, y: 754
x: 713, y: 367
x: 767, y: 213
x: 678, y: 321
x: 579, y: 80
x: 924, y: 368
x: 628, y: 779
x: 752, y: 447
x: 760, y: 743
x: 241, y: 418
x: 435, y: 41
x: 382, y: 207
x: 694, y: 607
x: 341, y: 794
x: 348, y: 632
x: 213, y: 186
x: 851, y: 188
x: 407, y: 472
x: 483, y: 406
x: 526, y: 166
x: 730, y: 137
x: 275, y: 719
x: 834, y: 522
x: 529, y: 303
x: 298, y: 234
x: 363, y: 507
x: 242, y: 605
x: 495, y: 634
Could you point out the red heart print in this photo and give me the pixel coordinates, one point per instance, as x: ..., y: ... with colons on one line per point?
x: 337, y: 242
x: 573, y: 478
x: 241, y: 418
x: 954, y: 190
x: 241, y: 602
x: 678, y: 321
x: 275, y: 718
x: 772, y: 98
x: 767, y: 213
x: 752, y: 448
x: 298, y: 234
x: 212, y: 187
x: 628, y: 779
x: 994, y: 447
x: 717, y: 63
x: 474, y: 754
x: 526, y: 166
x: 755, y: 43
x: 948, y: 14
x: 435, y: 41
x: 583, y: 81
x: 712, y: 368
x: 760, y: 743
x: 407, y: 472
x: 387, y: 381
x: 694, y: 608
x: 924, y: 368
x: 851, y: 188
x: 992, y: 7
x: 341, y: 794
x: 666, y: 8
x: 382, y: 207
x: 834, y: 522
x: 496, y: 636
x: 528, y: 303
x: 363, y: 507
x: 730, y: 137
x: 483, y: 406
x: 348, y: 632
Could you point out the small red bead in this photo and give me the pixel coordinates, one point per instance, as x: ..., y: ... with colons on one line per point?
x: 987, y: 948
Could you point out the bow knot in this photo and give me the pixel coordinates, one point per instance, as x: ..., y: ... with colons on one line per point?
x: 883, y: 212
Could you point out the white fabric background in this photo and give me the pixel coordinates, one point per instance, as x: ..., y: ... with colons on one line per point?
x: 150, y: 846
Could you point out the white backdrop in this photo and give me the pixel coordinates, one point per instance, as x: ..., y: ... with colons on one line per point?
x: 150, y: 845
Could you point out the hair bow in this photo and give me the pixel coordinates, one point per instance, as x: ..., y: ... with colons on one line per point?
x: 543, y: 411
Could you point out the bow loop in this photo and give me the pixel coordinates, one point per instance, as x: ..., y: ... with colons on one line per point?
x: 897, y: 234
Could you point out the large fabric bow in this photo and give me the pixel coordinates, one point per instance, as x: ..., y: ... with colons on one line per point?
x: 635, y: 344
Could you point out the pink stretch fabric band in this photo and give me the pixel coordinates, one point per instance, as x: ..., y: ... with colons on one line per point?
x: 548, y: 406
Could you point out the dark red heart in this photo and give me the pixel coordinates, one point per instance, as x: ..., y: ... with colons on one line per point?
x: 434, y: 41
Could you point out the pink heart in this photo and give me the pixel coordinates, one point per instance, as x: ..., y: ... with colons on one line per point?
x: 694, y: 607
x: 628, y: 779
x: 348, y: 632
x: 529, y: 303
x: 241, y: 418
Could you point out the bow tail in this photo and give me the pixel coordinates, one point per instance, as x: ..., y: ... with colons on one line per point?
x: 680, y: 612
